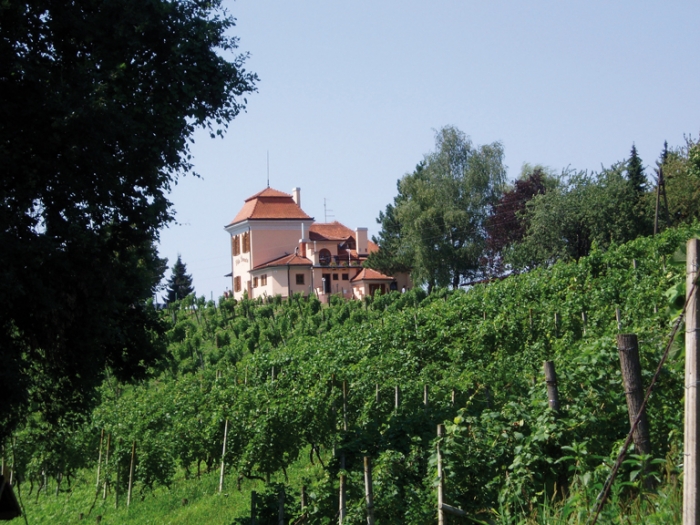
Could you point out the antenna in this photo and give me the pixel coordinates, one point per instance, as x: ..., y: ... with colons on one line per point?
x: 326, y: 212
x: 268, y: 168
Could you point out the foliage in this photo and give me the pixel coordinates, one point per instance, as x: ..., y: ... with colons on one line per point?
x: 179, y: 285
x: 100, y: 100
x: 586, y: 210
x: 275, y: 371
x: 441, y: 209
x: 681, y: 169
x: 507, y: 225
x: 393, y: 256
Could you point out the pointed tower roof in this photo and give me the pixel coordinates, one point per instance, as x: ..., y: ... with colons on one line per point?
x: 270, y: 204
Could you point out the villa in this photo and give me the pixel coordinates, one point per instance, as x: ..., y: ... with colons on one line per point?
x: 277, y: 249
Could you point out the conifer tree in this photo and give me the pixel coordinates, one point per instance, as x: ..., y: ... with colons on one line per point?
x: 635, y: 172
x: 180, y: 282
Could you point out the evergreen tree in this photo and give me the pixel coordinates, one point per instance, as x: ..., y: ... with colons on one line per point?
x: 180, y: 282
x: 635, y: 172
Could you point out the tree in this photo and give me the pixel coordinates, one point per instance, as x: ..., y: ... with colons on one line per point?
x: 393, y: 256
x: 441, y: 208
x: 635, y: 172
x: 507, y: 225
x: 566, y: 221
x: 681, y: 170
x: 99, y: 102
x: 180, y: 283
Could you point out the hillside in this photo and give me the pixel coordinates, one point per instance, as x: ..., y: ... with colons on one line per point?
x: 272, y: 375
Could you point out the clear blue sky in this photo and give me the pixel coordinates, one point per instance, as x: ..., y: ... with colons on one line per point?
x: 351, y: 93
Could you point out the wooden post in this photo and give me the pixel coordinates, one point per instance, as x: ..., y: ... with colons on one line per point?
x: 131, y: 474
x: 303, y: 497
x: 223, y: 457
x: 618, y: 318
x: 342, y: 506
x: 345, y: 406
x: 252, y: 507
x: 691, y: 444
x: 376, y: 394
x: 425, y: 397
x: 397, y: 397
x: 369, y: 496
x: 274, y: 376
x: 280, y: 503
x: 557, y: 323
x: 628, y: 349
x: 441, y: 480
x: 454, y: 396
x: 584, y: 319
x: 116, y: 485
x: 550, y: 377
x: 99, y: 460
x: 106, y: 483
x: 530, y: 313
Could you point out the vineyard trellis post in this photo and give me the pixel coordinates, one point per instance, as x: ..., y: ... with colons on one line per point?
x: 691, y: 445
x: 342, y: 505
x: 99, y: 460
x: 253, y: 495
x: 106, y: 481
x: 280, y: 502
x: 631, y: 369
x: 369, y: 492
x: 441, y: 482
x: 131, y: 474
x: 223, y: 458
x: 550, y: 377
x: 442, y: 506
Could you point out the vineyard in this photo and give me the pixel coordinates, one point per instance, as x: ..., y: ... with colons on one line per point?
x: 303, y: 392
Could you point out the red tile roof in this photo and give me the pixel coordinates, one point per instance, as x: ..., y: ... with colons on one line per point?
x: 270, y: 204
x: 286, y: 260
x: 330, y: 231
x: 367, y: 274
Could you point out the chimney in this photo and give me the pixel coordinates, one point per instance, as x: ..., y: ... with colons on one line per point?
x: 361, y: 240
x: 296, y: 196
x: 303, y: 240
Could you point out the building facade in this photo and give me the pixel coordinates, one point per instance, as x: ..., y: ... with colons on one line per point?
x: 277, y: 249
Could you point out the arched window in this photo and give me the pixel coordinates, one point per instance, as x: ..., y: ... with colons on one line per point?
x: 324, y: 257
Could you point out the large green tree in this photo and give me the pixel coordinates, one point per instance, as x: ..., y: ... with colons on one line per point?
x: 585, y: 208
x: 98, y: 100
x: 441, y: 209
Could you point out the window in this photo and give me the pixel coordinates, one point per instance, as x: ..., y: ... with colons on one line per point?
x: 263, y: 280
x: 255, y: 282
x: 324, y: 257
x: 237, y: 284
x: 335, y: 276
x: 300, y: 278
x: 246, y: 242
x: 235, y: 245
x: 346, y: 277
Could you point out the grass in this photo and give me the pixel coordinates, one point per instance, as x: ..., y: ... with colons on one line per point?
x: 187, y: 501
x: 195, y: 501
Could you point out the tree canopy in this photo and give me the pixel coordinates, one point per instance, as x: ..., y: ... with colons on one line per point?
x: 436, y: 224
x: 99, y: 101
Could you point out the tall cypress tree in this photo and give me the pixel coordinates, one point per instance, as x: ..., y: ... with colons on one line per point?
x: 180, y: 282
x: 635, y: 172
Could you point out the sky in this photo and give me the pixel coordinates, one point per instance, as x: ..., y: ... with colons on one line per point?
x: 350, y: 95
